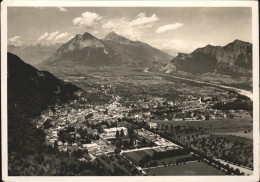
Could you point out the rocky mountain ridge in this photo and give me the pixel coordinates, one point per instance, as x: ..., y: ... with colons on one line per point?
x: 113, y: 50
x: 234, y: 59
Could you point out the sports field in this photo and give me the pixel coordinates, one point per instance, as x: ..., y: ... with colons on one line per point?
x: 189, y: 169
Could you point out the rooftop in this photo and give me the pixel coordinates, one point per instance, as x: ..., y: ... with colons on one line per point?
x: 114, y: 129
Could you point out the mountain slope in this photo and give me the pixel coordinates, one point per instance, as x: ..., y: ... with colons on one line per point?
x: 33, y: 54
x: 31, y: 90
x: 112, y: 36
x: 234, y: 59
x: 82, y: 49
x: 113, y: 50
x: 134, y: 52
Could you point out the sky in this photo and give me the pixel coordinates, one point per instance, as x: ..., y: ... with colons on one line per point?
x: 178, y: 28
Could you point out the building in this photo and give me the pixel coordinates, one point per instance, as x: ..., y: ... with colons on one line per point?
x: 91, y: 146
x: 54, y: 133
x: 152, y: 125
x: 147, y: 114
x: 103, y: 127
x: 137, y: 116
x: 62, y: 148
x: 111, y: 132
x: 59, y: 143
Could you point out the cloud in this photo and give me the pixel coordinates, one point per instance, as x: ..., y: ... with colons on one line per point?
x: 69, y: 38
x: 183, y: 46
x: 52, y: 38
x: 45, y: 35
x: 16, y: 40
x: 144, y: 21
x: 87, y: 19
x: 142, y: 14
x: 168, y: 27
x: 131, y: 28
x: 95, y: 32
x: 62, y: 9
x: 62, y: 35
x: 53, y: 35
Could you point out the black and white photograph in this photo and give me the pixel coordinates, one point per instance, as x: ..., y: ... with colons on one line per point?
x: 120, y: 89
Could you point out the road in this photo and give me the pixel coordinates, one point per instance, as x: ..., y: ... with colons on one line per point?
x: 242, y: 169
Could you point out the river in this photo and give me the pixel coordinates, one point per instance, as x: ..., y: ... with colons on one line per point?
x: 239, y: 91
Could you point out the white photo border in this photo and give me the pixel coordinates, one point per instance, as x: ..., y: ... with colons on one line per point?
x: 138, y: 3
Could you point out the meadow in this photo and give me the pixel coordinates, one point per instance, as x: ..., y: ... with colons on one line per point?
x: 224, y: 125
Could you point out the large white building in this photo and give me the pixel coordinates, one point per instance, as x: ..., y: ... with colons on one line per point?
x: 90, y: 146
x: 111, y: 132
x: 93, y: 148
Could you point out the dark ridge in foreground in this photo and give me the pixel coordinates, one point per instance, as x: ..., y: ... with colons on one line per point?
x: 30, y: 91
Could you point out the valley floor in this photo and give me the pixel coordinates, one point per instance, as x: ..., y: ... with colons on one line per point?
x: 155, y: 116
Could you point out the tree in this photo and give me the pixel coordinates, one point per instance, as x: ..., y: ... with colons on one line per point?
x: 130, y: 131
x: 63, y: 136
x: 237, y: 171
x: 53, y: 109
x: 131, y: 143
x: 151, y: 144
x: 119, y: 143
x: 39, y: 157
x: 55, y: 146
x: 126, y: 144
x: 166, y: 127
x: 78, y: 153
x: 82, y: 133
x: 117, y: 150
x: 122, y: 133
x: 117, y: 134
x: 71, y: 129
x: 47, y: 124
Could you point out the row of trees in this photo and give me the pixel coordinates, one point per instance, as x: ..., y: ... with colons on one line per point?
x: 246, y: 105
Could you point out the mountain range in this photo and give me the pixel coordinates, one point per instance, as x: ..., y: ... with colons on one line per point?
x: 234, y: 59
x: 33, y: 54
x: 112, y: 50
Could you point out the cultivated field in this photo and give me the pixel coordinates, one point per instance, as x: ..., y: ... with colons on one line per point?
x: 236, y: 126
